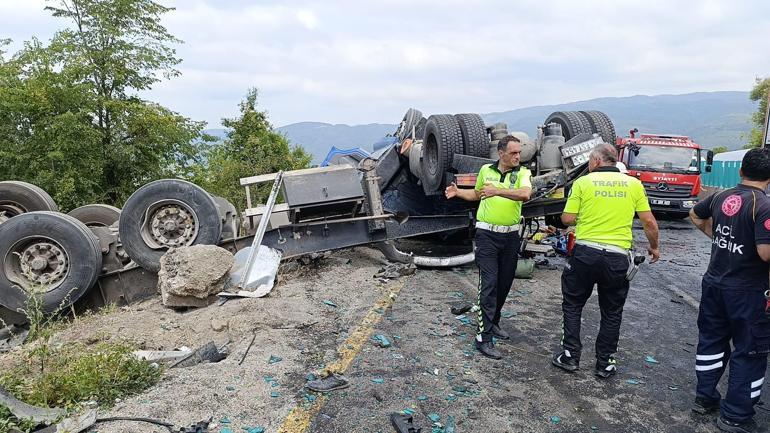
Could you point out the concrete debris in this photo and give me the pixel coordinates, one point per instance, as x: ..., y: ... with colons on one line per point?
x: 206, y: 353
x: 12, y: 336
x: 22, y: 410
x: 73, y: 424
x: 191, y: 276
x: 219, y: 324
x: 161, y: 355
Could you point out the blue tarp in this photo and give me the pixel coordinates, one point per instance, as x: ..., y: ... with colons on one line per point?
x: 335, y: 156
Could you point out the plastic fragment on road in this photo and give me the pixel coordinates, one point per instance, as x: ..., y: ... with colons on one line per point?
x: 378, y: 380
x: 673, y: 387
x: 330, y: 303
x: 651, y: 360
x: 381, y: 340
x: 226, y: 430
x: 434, y: 417
x: 254, y: 429
x: 275, y: 394
x: 274, y: 359
x: 310, y: 377
x: 422, y: 397
x: 508, y: 314
x: 408, y: 411
x: 555, y: 419
x: 451, y: 397
x: 224, y: 420
x: 633, y: 382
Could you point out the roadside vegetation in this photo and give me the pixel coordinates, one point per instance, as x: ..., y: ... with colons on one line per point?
x: 47, y: 373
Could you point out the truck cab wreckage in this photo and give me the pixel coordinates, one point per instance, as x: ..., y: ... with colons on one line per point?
x: 98, y: 255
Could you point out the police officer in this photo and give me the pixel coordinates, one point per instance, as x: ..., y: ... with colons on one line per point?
x: 733, y: 305
x: 602, y: 205
x: 501, y: 187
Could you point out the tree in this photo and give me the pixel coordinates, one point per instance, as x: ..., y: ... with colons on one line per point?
x: 73, y: 122
x: 719, y: 149
x: 758, y: 94
x: 252, y: 147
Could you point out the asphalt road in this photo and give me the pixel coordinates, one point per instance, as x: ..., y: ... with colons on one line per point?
x: 432, y: 369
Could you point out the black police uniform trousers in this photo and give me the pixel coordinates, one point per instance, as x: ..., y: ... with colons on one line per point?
x: 607, y: 270
x: 496, y: 257
x: 738, y: 315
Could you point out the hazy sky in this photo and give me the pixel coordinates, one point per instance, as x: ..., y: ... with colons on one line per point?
x: 367, y: 61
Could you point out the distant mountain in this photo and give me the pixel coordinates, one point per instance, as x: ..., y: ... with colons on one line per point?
x: 710, y: 118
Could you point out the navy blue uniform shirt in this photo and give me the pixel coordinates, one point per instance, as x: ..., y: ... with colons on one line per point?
x: 740, y: 222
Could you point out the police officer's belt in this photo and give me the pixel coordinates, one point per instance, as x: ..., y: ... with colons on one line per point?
x: 497, y: 229
x: 603, y: 247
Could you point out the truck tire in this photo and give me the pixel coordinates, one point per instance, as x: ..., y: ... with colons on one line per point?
x: 17, y: 198
x: 572, y: 123
x: 47, y: 250
x: 442, y: 140
x: 165, y: 214
x: 96, y: 215
x: 411, y: 119
x: 602, y: 125
x: 474, y: 133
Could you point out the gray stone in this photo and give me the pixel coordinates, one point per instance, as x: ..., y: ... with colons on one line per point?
x: 191, y: 276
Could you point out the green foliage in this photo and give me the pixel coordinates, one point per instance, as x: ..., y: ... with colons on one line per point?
x: 252, y: 147
x: 71, y: 120
x: 9, y: 423
x: 74, y: 374
x: 719, y: 149
x: 58, y: 375
x: 758, y: 94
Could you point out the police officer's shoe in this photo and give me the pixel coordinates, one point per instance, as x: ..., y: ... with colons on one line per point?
x: 487, y: 348
x: 734, y: 427
x: 704, y: 406
x: 499, y: 333
x: 565, y: 361
x: 606, y: 369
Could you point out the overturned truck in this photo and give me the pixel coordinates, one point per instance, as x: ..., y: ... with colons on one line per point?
x: 98, y: 255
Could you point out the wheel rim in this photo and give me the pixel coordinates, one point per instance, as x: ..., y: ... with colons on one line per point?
x: 169, y: 224
x: 37, y: 264
x: 10, y: 210
x: 432, y: 154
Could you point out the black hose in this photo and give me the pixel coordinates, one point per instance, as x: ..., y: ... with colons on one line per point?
x: 169, y: 426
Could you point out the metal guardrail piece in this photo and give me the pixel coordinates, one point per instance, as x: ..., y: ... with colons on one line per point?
x: 261, y: 229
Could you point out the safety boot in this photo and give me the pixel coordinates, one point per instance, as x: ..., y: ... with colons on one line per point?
x: 734, y: 427
x: 487, y: 348
x: 704, y: 406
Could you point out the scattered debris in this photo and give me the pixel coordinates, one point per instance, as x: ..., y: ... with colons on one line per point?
x: 673, y: 387
x: 162, y: 356
x: 206, y: 353
x: 403, y: 423
x: 200, y: 427
x: 434, y: 417
x: 274, y: 359
x: 378, y: 380
x: 248, y: 348
x: 219, y: 324
x: 633, y: 382
x: 12, y: 336
x: 555, y: 419
x: 332, y: 382
x: 381, y: 340
x: 73, y: 424
x: 395, y: 270
x: 330, y: 303
x: 22, y: 410
x: 651, y: 360
x: 254, y: 429
x: 192, y: 276
x: 459, y: 309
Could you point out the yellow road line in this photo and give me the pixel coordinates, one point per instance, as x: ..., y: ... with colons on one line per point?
x: 299, y: 418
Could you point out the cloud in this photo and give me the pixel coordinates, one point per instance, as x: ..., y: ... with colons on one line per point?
x: 348, y: 61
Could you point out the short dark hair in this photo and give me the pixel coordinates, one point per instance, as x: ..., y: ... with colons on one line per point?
x: 756, y: 164
x: 503, y: 143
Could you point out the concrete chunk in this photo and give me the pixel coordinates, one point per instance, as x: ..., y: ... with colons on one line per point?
x: 191, y: 276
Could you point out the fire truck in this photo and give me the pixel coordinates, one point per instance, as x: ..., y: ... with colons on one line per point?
x: 669, y: 167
